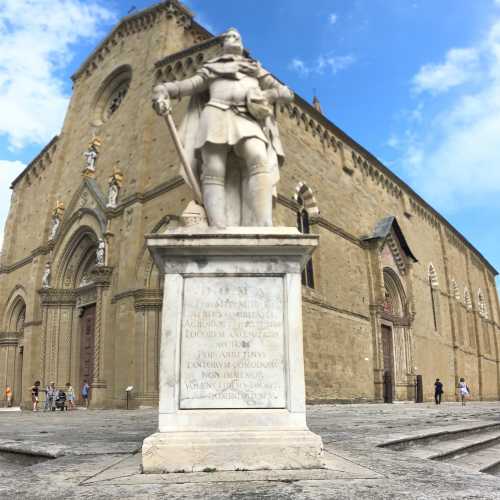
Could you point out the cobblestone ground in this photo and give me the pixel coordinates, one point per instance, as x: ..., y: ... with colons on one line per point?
x: 98, y: 457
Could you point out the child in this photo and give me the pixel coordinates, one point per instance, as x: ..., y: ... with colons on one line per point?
x: 70, y: 396
x: 8, y: 396
x: 85, y: 393
x: 35, y: 390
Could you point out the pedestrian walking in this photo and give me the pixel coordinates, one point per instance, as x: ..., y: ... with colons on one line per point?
x: 85, y: 393
x: 70, y: 396
x: 463, y: 390
x: 8, y: 395
x: 438, y: 391
x: 35, y: 391
x: 50, y: 397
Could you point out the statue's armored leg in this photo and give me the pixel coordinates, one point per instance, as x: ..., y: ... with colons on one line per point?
x: 257, y: 189
x: 259, y: 195
x: 213, y: 183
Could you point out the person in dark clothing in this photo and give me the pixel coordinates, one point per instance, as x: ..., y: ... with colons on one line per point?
x: 438, y: 391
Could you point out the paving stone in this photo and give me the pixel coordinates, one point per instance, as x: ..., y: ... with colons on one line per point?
x: 99, y: 459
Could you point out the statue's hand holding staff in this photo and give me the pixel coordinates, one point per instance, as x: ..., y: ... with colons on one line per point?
x: 161, y: 104
x: 161, y: 100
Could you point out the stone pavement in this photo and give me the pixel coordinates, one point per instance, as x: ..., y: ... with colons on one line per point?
x: 97, y: 457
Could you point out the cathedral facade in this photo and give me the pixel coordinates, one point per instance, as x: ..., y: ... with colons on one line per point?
x: 394, y: 297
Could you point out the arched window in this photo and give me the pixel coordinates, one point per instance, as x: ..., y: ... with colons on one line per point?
x: 481, y: 303
x: 467, y: 300
x: 434, y: 294
x: 18, y: 316
x: 303, y: 226
x: 469, y: 320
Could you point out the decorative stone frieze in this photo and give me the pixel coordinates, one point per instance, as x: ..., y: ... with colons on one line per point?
x: 57, y: 296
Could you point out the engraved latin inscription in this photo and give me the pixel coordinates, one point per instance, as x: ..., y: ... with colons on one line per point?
x: 232, y: 346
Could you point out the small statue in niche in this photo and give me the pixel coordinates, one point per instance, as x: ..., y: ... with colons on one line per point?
x: 46, y: 276
x: 85, y: 280
x: 91, y: 156
x: 57, y: 215
x: 115, y: 183
x: 101, y: 253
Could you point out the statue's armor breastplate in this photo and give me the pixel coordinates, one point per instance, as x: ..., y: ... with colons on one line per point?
x: 232, y: 92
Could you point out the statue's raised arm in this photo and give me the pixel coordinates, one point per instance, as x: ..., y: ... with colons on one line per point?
x: 230, y: 135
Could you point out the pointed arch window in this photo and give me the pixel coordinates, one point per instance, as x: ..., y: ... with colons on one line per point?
x: 303, y: 225
x: 483, y: 309
x: 434, y: 295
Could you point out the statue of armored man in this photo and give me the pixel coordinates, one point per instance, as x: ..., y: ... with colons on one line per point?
x: 230, y: 135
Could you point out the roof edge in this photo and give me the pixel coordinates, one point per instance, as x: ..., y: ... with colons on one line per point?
x: 34, y: 160
x: 369, y: 156
x: 149, y: 10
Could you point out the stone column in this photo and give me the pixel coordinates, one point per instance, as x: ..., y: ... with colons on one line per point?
x: 57, y: 304
x: 232, y: 391
x: 101, y: 276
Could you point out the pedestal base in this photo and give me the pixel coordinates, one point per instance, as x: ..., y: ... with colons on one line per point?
x: 209, y: 451
x: 232, y: 392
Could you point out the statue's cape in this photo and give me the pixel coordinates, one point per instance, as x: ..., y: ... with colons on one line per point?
x: 187, y: 132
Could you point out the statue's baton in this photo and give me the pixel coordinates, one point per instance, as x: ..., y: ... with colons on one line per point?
x: 180, y: 150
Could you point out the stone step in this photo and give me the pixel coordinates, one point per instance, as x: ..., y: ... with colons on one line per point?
x: 445, y: 445
x: 486, y: 459
x: 467, y: 446
x: 493, y: 469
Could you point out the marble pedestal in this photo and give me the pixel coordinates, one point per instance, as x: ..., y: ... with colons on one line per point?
x: 232, y: 392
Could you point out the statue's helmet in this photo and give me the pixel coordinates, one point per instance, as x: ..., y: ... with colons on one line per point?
x: 231, y: 41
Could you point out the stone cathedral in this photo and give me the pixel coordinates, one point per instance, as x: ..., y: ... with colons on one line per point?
x: 394, y: 298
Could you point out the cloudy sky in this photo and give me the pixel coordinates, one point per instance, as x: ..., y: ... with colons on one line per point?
x: 416, y: 82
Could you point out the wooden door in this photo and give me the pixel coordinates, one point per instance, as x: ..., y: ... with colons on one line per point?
x: 388, y: 363
x: 87, y: 331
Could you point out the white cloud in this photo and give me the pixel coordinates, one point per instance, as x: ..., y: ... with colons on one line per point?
x: 37, y: 40
x: 460, y: 66
x: 299, y: 66
x: 332, y: 18
x: 454, y: 161
x: 332, y: 63
x: 9, y: 170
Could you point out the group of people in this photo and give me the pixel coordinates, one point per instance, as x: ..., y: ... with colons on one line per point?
x: 63, y: 399
x: 463, y: 391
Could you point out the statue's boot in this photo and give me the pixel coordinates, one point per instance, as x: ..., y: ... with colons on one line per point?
x: 259, y: 197
x: 214, y: 200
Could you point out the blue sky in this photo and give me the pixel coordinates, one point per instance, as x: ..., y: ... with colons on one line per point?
x: 416, y: 82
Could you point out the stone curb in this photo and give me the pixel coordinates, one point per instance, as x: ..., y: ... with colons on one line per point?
x: 35, y: 450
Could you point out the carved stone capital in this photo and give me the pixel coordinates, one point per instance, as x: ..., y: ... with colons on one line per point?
x: 148, y: 299
x: 10, y: 338
x: 101, y: 275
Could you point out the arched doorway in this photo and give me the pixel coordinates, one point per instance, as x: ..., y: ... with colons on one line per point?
x: 12, y: 347
x: 397, y: 352
x: 69, y: 312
